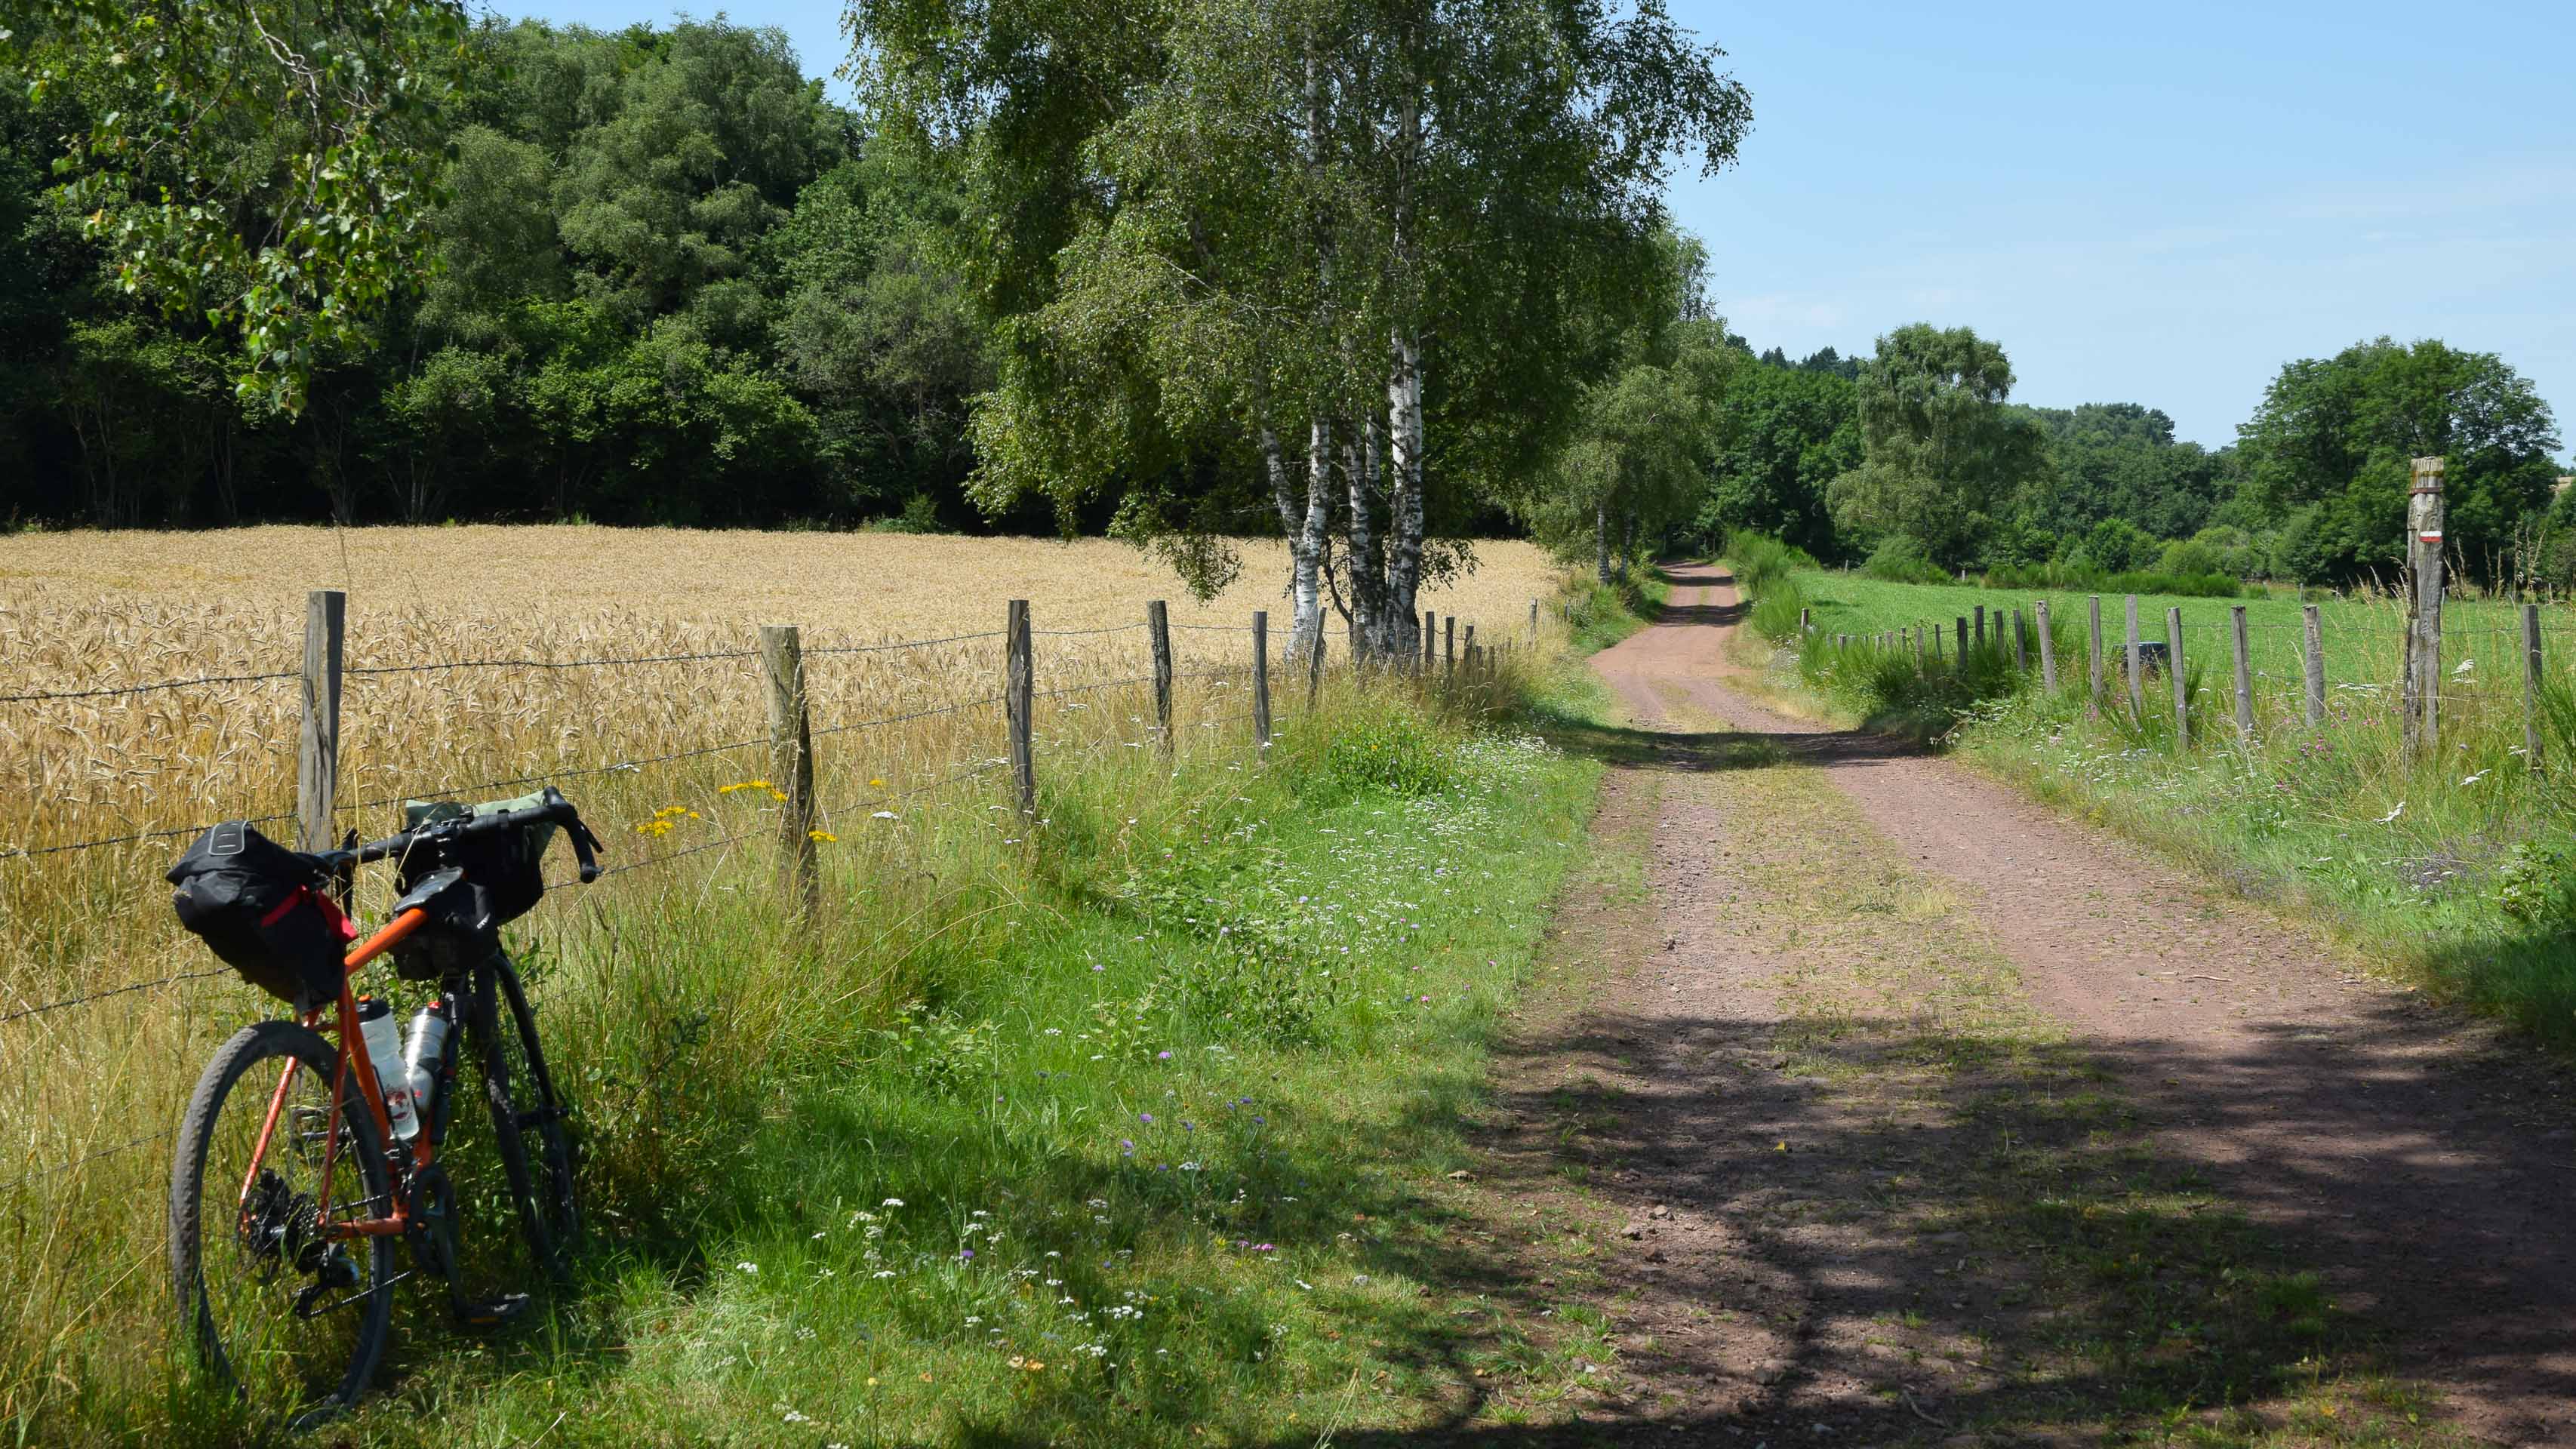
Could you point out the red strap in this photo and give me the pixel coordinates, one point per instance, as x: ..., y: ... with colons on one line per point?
x: 278, y: 912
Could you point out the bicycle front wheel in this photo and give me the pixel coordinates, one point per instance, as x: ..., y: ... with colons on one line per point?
x: 529, y: 1122
x: 290, y: 1319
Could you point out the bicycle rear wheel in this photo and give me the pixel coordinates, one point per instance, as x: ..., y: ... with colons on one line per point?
x: 293, y: 1322
x: 529, y: 1121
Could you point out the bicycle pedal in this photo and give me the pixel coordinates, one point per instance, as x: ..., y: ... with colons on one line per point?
x: 490, y: 1312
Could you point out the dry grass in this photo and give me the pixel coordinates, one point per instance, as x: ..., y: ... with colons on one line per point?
x: 90, y: 611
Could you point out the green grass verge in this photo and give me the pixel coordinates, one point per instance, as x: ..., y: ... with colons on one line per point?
x: 1142, y: 1150
x: 1600, y: 615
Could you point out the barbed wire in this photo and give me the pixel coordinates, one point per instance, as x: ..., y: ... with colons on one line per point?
x: 984, y: 768
x: 903, y: 644
x: 41, y: 696
x: 1216, y: 628
x: 1069, y: 633
x: 600, y: 663
x: 88, y: 1158
x: 553, y: 775
x: 1092, y: 688
x: 665, y: 858
x: 22, y: 853
x: 25, y: 1012
x: 869, y: 724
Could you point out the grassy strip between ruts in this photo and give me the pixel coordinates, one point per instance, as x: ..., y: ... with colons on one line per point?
x: 1148, y: 1164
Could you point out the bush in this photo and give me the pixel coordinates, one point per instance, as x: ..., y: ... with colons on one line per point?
x: 1902, y: 560
x: 1388, y: 749
x: 1775, y: 611
x: 1762, y: 561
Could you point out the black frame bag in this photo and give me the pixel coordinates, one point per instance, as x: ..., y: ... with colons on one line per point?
x: 264, y: 910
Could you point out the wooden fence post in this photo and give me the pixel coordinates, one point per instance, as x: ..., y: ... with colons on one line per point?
x: 2181, y: 691
x: 1935, y: 632
x: 1158, y: 622
x: 1963, y: 638
x: 1261, y: 677
x: 317, y: 755
x: 2137, y: 683
x: 2316, y: 668
x: 2093, y: 610
x: 2021, y: 645
x: 1449, y: 651
x: 2047, y: 646
x: 1315, y: 671
x: 1431, y: 640
x: 2422, y: 691
x: 1533, y: 627
x: 1981, y: 626
x: 1806, y: 623
x: 2244, y: 677
x: 1917, y: 632
x: 791, y: 762
x: 2531, y: 686
x: 1019, y: 696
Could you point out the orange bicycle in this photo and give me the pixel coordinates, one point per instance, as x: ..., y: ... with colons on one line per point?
x: 300, y: 1165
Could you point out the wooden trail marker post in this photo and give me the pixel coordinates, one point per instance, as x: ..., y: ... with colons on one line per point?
x: 1019, y: 697
x: 317, y: 750
x: 2422, y: 690
x: 2531, y: 686
x: 1314, y: 673
x: 2244, y: 677
x: 2173, y: 667
x: 1261, y: 676
x: 2316, y: 667
x: 2093, y: 607
x: 2047, y: 648
x: 1158, y: 622
x: 2137, y: 683
x: 791, y: 762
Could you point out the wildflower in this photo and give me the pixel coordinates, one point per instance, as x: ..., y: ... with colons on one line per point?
x: 825, y: 836
x: 891, y: 1202
x: 882, y: 815
x: 876, y: 784
x: 964, y: 1254
x: 753, y: 1268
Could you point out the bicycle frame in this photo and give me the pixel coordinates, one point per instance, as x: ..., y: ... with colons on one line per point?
x: 353, y: 1049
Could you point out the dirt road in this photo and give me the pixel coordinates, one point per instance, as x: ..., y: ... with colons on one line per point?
x: 1934, y: 1117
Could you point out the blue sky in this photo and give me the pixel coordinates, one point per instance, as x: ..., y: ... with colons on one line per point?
x: 2155, y: 204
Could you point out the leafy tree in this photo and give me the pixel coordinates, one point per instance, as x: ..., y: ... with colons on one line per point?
x: 2120, y: 460
x: 1634, y: 466
x: 1782, y: 436
x: 1941, y: 457
x: 263, y: 165
x: 2329, y: 445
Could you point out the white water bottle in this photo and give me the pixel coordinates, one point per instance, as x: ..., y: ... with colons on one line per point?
x: 421, y: 1058
x: 384, y: 1052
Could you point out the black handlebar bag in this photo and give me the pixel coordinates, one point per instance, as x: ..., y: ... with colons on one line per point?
x: 505, y: 875
x: 262, y: 908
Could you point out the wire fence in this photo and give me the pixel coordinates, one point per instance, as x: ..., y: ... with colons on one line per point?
x: 1224, y: 683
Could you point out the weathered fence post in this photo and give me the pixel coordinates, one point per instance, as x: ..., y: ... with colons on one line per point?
x: 1431, y: 638
x: 1449, y: 651
x: 1533, y: 627
x: 2093, y: 609
x: 1963, y: 638
x: 2047, y: 646
x: 2316, y: 667
x: 317, y: 754
x: 2531, y: 686
x: 1315, y: 672
x: 791, y: 762
x: 2423, y: 678
x: 1936, y: 641
x: 2137, y: 682
x: 1158, y: 622
x: 2181, y: 690
x: 2021, y: 647
x: 1981, y: 626
x: 1019, y: 697
x: 2244, y: 677
x: 1261, y: 676
x: 1917, y: 632
x: 1806, y: 624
